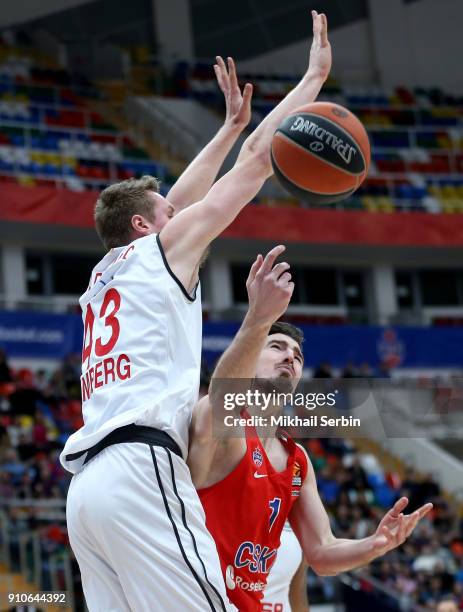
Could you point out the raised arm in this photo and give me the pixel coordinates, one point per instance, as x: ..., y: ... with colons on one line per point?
x: 328, y: 555
x: 199, y: 176
x: 190, y: 232
x: 305, y: 92
x: 269, y: 289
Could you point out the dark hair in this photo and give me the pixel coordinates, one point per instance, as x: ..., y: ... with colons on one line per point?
x: 116, y: 206
x: 280, y: 327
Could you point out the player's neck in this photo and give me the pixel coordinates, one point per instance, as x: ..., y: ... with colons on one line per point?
x: 276, y: 453
x: 266, y: 431
x: 270, y: 440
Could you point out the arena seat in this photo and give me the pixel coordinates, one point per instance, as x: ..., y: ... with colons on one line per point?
x: 412, y: 132
x: 49, y: 135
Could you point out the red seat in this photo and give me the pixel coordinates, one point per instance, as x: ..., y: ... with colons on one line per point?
x: 25, y: 377
x: 7, y: 389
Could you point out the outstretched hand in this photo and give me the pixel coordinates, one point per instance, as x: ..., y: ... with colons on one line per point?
x: 396, y: 527
x: 320, y: 51
x: 269, y: 287
x: 238, y: 105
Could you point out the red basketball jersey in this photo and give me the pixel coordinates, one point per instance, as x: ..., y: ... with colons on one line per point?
x: 246, y: 513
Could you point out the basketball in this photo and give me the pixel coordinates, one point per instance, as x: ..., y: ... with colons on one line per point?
x: 321, y: 153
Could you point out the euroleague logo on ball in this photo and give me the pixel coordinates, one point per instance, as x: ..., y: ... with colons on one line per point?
x: 340, y: 112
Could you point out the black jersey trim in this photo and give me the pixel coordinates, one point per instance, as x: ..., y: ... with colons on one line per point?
x: 177, y: 535
x: 190, y: 298
x: 182, y: 505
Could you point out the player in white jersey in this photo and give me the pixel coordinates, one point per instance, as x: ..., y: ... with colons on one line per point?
x: 135, y: 521
x: 286, y: 589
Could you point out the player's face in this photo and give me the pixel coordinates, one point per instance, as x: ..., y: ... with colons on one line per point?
x: 280, y: 357
x: 447, y: 606
x: 163, y: 211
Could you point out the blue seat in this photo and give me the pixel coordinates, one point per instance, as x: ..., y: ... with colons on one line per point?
x: 68, y: 171
x: 385, y: 496
x: 376, y: 480
x: 51, y: 169
x: 6, y: 166
x: 17, y: 140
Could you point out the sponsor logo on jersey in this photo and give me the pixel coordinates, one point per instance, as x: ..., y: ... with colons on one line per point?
x: 230, y: 577
x: 257, y: 475
x: 257, y: 456
x: 297, y: 479
x: 233, y: 581
x: 255, y: 557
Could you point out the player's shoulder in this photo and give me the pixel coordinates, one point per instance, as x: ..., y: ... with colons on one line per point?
x: 201, y: 421
x: 145, y: 242
x: 302, y: 451
x: 143, y: 251
x: 303, y: 454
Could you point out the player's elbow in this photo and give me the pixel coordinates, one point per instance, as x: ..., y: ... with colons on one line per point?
x: 321, y: 558
x: 323, y: 570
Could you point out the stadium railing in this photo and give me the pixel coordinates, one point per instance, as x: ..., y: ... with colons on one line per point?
x: 26, y: 554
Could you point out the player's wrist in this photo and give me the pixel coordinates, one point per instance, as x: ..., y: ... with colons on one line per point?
x: 232, y: 128
x: 371, y: 548
x: 315, y: 74
x: 255, y: 321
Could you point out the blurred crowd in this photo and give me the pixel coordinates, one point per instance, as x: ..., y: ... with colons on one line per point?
x: 39, y: 409
x: 37, y: 412
x: 356, y: 491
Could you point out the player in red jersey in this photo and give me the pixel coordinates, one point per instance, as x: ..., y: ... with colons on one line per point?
x: 249, y: 486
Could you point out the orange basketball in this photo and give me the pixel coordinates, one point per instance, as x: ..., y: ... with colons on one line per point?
x: 321, y: 153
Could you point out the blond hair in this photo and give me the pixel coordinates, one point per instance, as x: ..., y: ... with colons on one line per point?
x: 116, y: 206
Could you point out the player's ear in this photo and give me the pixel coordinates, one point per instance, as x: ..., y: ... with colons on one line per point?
x: 140, y: 224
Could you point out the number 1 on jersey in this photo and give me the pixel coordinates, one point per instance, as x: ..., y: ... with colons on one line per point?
x: 275, y: 506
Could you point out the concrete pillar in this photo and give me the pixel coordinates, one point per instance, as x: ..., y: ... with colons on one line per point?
x: 392, y: 42
x: 13, y: 270
x: 220, y: 286
x: 173, y: 29
x: 384, y: 294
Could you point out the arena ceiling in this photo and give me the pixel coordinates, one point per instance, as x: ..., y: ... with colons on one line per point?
x: 244, y: 29
x: 252, y: 27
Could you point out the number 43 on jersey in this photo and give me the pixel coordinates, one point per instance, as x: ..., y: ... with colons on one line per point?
x: 108, y: 369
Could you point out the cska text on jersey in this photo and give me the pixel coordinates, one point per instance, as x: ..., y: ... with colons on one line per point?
x: 103, y: 372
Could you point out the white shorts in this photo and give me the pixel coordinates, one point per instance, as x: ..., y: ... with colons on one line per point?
x: 137, y: 528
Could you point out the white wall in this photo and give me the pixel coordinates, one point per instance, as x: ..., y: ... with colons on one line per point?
x: 418, y: 43
x: 12, y: 13
x: 437, y: 42
x: 172, y: 23
x: 13, y: 271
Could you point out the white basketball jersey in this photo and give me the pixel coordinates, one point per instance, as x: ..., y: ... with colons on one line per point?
x: 141, y: 353
x: 289, y: 557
